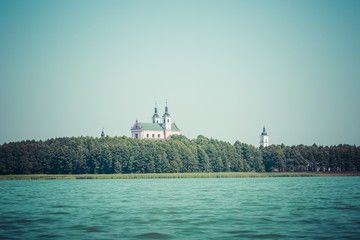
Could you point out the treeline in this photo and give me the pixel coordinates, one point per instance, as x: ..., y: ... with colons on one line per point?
x: 108, y: 155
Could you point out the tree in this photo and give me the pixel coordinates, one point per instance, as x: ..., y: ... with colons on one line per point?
x: 178, y: 154
x: 273, y: 158
x: 203, y: 159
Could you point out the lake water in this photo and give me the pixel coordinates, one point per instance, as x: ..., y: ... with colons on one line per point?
x: 227, y: 208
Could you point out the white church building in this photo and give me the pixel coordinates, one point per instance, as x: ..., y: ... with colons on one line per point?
x: 157, y: 129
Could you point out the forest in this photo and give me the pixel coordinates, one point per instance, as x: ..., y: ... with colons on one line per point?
x: 107, y: 155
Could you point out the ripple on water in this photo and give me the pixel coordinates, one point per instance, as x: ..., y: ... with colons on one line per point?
x: 272, y: 236
x: 63, y: 213
x: 46, y: 220
x: 173, y: 212
x: 49, y: 236
x: 88, y: 229
x: 77, y: 227
x: 9, y: 212
x: 348, y: 208
x: 241, y: 232
x: 309, y: 221
x: 179, y: 221
x: 153, y: 235
x: 93, y: 229
x: 60, y: 206
x: 25, y: 221
x: 254, y: 234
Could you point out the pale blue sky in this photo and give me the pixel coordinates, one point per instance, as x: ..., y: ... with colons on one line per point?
x: 69, y: 68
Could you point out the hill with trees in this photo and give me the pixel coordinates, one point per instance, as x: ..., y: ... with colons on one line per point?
x: 107, y: 155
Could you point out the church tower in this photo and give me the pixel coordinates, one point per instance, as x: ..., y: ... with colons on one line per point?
x: 102, y: 133
x: 166, y: 119
x: 156, y: 117
x: 264, y: 138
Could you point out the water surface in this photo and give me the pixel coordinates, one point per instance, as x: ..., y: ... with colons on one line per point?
x: 226, y: 208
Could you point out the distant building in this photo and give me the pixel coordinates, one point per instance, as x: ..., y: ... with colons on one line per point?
x: 264, y: 138
x: 102, y: 133
x: 156, y: 129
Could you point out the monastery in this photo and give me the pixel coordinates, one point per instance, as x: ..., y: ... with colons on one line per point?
x: 164, y: 129
x: 156, y: 129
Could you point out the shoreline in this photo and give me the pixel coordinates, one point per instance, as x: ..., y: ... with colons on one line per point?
x: 174, y: 175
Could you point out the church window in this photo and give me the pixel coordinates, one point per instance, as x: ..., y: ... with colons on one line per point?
x: 153, y: 135
x: 158, y: 135
x: 168, y: 120
x: 136, y: 135
x: 147, y: 135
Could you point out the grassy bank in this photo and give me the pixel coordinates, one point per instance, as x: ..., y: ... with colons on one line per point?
x: 174, y: 175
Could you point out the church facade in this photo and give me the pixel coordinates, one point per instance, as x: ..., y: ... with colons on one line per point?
x: 158, y: 129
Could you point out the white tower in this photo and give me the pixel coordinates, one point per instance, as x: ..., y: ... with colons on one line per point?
x: 166, y: 119
x: 156, y: 117
x: 264, y: 138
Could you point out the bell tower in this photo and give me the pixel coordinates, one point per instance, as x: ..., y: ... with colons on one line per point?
x: 264, y: 138
x: 156, y: 117
x: 166, y: 119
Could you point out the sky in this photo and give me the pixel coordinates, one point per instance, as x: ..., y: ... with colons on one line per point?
x: 226, y: 69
